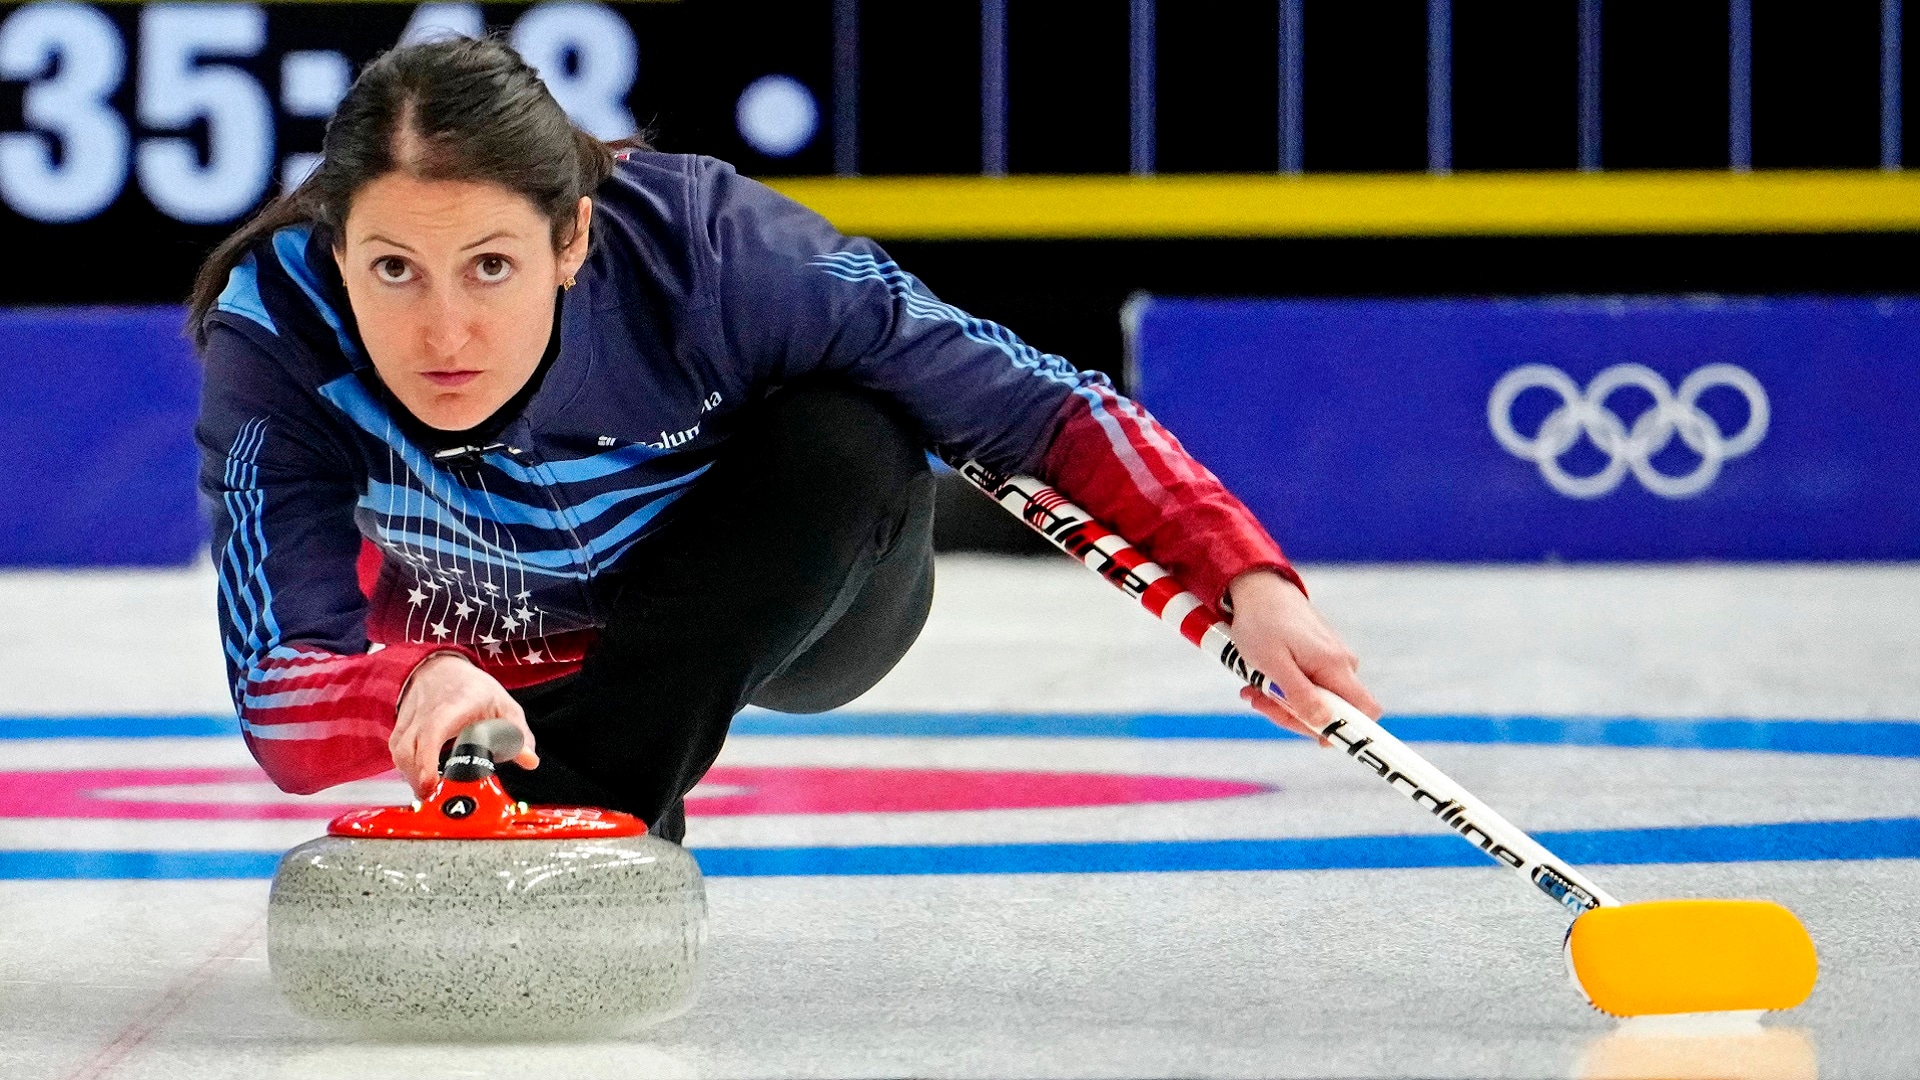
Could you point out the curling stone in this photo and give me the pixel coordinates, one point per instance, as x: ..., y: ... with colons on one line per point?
x: 471, y: 914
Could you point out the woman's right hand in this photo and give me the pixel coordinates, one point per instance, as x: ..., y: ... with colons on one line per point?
x: 447, y: 692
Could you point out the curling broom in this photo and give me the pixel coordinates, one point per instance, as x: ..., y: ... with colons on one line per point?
x: 1656, y: 957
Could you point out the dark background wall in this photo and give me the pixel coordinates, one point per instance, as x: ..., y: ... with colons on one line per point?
x: 909, y: 101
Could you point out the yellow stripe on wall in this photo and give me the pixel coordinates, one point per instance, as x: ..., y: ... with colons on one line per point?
x: 1492, y: 204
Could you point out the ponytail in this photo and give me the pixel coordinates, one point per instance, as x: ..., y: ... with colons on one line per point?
x: 291, y: 208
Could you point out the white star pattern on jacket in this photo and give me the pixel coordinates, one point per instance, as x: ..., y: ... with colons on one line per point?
x: 480, y: 612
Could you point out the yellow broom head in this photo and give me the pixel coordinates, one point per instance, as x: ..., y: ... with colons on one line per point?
x: 1691, y: 956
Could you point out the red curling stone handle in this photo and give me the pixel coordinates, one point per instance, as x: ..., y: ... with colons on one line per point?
x: 468, y: 803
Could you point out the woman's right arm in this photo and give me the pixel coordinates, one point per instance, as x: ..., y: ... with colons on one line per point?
x: 315, y: 706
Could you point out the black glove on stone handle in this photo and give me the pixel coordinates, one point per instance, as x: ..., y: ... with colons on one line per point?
x: 478, y: 746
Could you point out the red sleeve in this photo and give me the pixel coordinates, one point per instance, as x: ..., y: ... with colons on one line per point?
x: 314, y: 718
x: 316, y: 705
x: 1117, y: 462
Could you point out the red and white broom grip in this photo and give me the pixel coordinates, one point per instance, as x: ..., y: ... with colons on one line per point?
x: 1106, y: 553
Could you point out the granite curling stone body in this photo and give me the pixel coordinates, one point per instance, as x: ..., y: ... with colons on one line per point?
x: 471, y: 914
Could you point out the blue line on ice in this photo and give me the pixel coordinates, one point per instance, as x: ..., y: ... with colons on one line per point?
x: 1885, y: 838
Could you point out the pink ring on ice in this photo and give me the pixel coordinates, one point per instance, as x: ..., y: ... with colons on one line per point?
x: 244, y: 793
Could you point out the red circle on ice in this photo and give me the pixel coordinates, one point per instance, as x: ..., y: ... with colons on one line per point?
x: 245, y: 794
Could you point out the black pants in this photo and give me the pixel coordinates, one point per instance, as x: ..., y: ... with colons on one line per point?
x: 793, y: 576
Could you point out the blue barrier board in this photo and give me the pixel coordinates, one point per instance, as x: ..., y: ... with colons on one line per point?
x: 96, y: 438
x: 1358, y: 430
x: 1584, y: 429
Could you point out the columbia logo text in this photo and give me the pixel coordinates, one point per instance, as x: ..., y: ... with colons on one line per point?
x: 678, y: 438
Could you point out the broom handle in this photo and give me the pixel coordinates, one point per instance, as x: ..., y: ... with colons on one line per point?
x: 1365, y: 742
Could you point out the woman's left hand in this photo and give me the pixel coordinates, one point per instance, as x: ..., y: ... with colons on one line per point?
x: 1279, y: 632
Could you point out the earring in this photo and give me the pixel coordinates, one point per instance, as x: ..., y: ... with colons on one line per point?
x: 567, y: 284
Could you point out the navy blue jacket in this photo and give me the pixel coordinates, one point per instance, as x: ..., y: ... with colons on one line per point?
x: 343, y: 526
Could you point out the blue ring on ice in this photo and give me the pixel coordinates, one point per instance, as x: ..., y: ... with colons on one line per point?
x: 1879, y: 838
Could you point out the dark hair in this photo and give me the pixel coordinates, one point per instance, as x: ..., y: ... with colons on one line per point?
x: 451, y: 109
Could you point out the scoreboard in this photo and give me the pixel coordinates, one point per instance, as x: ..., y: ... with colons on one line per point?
x: 134, y: 136
x: 108, y: 103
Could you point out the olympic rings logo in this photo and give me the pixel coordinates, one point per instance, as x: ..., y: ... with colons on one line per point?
x: 1628, y: 449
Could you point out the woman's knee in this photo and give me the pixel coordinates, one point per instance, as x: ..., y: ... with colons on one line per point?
x: 856, y: 647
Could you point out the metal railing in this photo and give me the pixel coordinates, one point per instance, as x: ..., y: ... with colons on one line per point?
x: 1142, y: 74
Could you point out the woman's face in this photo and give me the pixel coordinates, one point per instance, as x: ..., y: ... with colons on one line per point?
x: 452, y: 284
